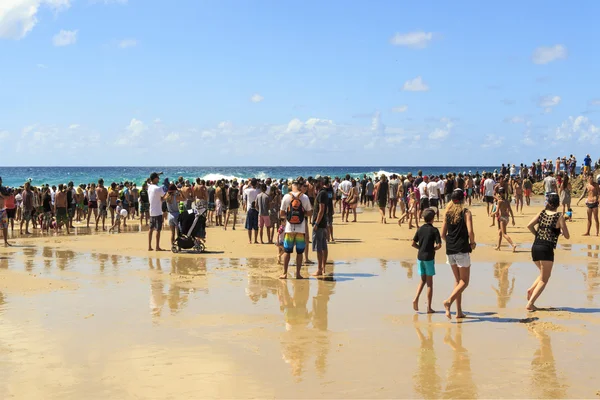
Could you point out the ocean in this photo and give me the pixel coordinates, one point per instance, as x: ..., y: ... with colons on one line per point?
x: 16, y: 176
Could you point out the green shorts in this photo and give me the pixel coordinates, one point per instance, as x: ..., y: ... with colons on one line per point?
x: 426, y: 268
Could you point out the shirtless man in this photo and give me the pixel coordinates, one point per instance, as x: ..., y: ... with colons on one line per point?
x: 188, y: 195
x: 219, y: 203
x: 470, y: 186
x: 518, y: 191
x: 102, y: 195
x: 593, y: 193
x: 60, y: 208
x: 503, y: 211
x: 200, y: 194
x: 135, y: 206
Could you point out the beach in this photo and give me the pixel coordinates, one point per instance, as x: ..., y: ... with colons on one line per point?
x: 98, y: 316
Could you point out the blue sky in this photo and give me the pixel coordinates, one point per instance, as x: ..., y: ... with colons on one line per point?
x: 143, y: 82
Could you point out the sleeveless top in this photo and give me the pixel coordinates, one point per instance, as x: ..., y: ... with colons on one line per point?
x: 547, y: 233
x: 233, y: 198
x: 382, y: 192
x: 457, y: 237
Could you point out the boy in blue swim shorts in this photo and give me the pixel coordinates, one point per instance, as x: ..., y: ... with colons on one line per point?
x: 427, y: 240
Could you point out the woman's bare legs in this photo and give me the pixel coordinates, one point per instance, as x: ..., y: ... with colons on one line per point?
x: 540, y: 283
x: 461, y: 276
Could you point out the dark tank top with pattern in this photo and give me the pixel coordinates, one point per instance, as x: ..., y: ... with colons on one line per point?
x: 547, y: 233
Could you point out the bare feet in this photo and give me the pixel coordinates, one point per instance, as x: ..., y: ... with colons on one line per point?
x: 447, y: 307
x: 159, y: 249
x: 415, y: 305
x: 514, y: 248
x: 497, y: 248
x: 461, y: 315
x: 430, y: 311
x: 586, y: 234
x: 532, y: 308
x: 284, y: 276
x: 298, y: 276
x: 150, y: 249
x: 318, y: 273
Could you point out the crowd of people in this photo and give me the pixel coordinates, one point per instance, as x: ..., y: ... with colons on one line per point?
x: 281, y: 212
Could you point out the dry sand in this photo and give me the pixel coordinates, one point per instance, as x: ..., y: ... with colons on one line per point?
x: 97, y: 316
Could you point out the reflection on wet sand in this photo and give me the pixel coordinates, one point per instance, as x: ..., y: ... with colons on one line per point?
x: 298, y: 342
x: 505, y: 286
x: 64, y: 258
x: 409, y: 268
x: 459, y: 382
x: 426, y: 380
x: 592, y: 278
x: 175, y: 296
x: 545, y: 382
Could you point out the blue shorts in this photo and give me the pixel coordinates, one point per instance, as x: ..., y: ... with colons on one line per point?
x: 426, y: 268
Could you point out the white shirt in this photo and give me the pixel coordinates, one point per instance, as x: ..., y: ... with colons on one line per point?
x: 345, y: 186
x: 422, y: 186
x: 155, y: 195
x: 285, y: 204
x: 250, y: 195
x: 432, y: 188
x: 441, y: 185
x: 513, y: 170
x: 335, y: 186
x: 489, y: 187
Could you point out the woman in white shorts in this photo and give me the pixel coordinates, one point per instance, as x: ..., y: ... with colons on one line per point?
x: 458, y: 233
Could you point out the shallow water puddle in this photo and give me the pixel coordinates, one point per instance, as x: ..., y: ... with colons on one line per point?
x: 192, y: 327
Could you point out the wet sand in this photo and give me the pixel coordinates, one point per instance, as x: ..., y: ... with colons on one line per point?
x: 93, y: 316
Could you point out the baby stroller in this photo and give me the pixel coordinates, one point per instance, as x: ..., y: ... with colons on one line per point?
x: 191, y: 230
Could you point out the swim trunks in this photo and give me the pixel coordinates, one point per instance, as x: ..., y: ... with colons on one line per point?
x: 3, y: 219
x: 61, y: 215
x: 211, y: 206
x: 294, y: 239
x: 591, y: 206
x: 319, y: 239
x: 426, y: 268
x: 144, y: 207
x: 102, y: 207
x: 156, y: 223
x: 489, y: 199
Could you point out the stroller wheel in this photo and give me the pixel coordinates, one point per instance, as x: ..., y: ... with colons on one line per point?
x: 175, y: 249
x: 202, y: 247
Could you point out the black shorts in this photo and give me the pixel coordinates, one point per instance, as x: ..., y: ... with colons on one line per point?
x: 164, y: 206
x: 591, y: 206
x: 434, y: 203
x: 370, y: 197
x: 424, y: 204
x: 489, y: 199
x: 11, y: 213
x: 156, y: 223
x: 542, y: 252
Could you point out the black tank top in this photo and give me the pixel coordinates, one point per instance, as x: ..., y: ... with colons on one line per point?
x: 457, y: 237
x: 233, y: 198
x: 547, y: 233
x: 382, y: 192
x: 211, y: 195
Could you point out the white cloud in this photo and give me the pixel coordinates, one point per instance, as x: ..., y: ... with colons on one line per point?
x: 415, y: 40
x: 444, y: 132
x: 134, y: 131
x: 157, y: 121
x: 492, y: 141
x: 42, y: 66
x: 544, y: 55
x: 415, y: 85
x: 256, y: 98
x: 19, y: 17
x: 400, y: 109
x: 126, y: 43
x: 579, y: 128
x: 377, y: 126
x: 595, y: 102
x: 65, y: 38
x: 74, y: 126
x: 172, y: 137
x: 547, y: 102
x: 517, y: 119
x: 4, y: 135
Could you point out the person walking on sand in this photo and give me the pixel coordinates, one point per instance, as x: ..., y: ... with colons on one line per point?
x: 156, y: 195
x: 102, y: 194
x: 427, y: 240
x: 564, y: 192
x: 593, y: 192
x: 488, y: 186
x: 352, y: 200
x: 550, y: 225
x: 518, y: 191
x: 503, y: 211
x: 382, y: 188
x: 295, y: 206
x: 458, y: 233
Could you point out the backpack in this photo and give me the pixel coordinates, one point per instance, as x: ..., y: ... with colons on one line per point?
x: 295, y: 211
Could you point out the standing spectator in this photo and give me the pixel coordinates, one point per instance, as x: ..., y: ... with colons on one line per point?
x: 156, y: 195
x: 233, y: 194
x: 369, y: 196
x: 102, y: 194
x: 394, y: 183
x: 294, y: 207
x: 319, y: 236
x: 11, y: 207
x: 345, y: 187
x: 382, y: 189
x: 263, y: 202
x: 27, y: 208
